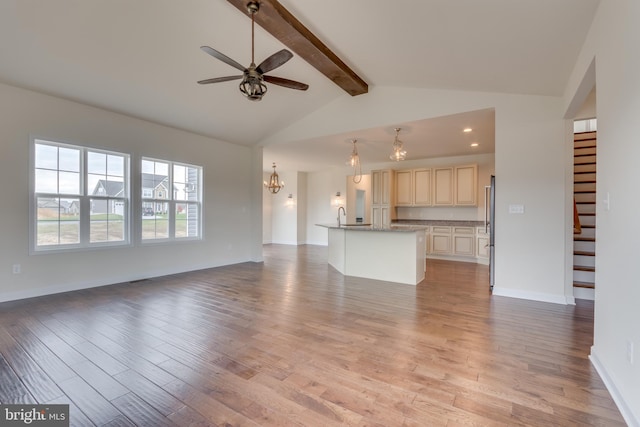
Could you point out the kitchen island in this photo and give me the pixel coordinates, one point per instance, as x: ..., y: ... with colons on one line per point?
x: 393, y: 254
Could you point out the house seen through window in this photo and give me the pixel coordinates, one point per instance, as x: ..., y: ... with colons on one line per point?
x: 171, y: 200
x: 80, y: 197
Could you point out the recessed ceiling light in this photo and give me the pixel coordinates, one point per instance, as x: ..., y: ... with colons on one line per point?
x: 467, y: 130
x: 474, y: 144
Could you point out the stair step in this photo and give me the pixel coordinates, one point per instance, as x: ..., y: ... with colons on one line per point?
x: 578, y: 284
x: 584, y: 253
x: 586, y: 214
x: 583, y: 155
x: 583, y: 268
x: 587, y: 226
x: 583, y: 239
x: 585, y: 203
x: 581, y: 172
x: 591, y: 181
x: 583, y: 163
x: 584, y: 192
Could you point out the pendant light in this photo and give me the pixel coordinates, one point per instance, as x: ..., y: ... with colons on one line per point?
x: 398, y: 153
x: 354, y: 162
x: 274, y: 185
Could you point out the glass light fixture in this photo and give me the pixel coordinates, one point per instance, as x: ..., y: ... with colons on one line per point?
x: 274, y: 185
x: 398, y: 153
x: 338, y: 200
x: 290, y: 201
x: 354, y: 162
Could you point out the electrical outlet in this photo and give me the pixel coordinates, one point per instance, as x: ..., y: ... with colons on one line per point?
x: 16, y: 269
x: 630, y: 351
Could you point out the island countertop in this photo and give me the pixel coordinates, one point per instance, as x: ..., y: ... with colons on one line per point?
x: 441, y: 222
x: 409, y: 228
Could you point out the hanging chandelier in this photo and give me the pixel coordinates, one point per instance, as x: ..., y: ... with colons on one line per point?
x: 274, y: 185
x: 354, y: 162
x: 398, y: 153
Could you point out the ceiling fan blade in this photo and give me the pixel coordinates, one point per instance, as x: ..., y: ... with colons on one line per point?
x: 291, y: 84
x: 222, y: 57
x: 274, y: 61
x: 219, y: 79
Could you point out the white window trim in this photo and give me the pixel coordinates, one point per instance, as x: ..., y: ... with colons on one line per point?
x: 84, y: 198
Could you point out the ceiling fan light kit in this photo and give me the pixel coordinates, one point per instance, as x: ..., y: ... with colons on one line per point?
x: 252, y: 85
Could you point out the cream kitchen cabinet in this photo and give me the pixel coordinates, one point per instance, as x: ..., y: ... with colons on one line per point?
x: 440, y: 240
x: 413, y: 187
x: 464, y: 241
x: 466, y: 185
x: 380, y: 216
x: 455, y: 186
x: 443, y: 186
x: 482, y: 243
x: 382, y: 197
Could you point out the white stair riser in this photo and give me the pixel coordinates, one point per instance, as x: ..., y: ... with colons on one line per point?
x: 584, y: 276
x: 587, y: 232
x: 584, y: 261
x: 584, y: 246
x: 587, y: 220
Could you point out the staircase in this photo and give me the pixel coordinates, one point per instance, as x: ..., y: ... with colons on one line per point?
x: 584, y: 193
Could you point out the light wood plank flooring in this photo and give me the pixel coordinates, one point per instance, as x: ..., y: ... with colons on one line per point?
x: 292, y: 342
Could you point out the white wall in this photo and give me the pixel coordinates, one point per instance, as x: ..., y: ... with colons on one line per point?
x: 267, y: 215
x: 613, y: 42
x: 301, y: 204
x: 228, y: 200
x: 321, y: 190
x: 284, y: 218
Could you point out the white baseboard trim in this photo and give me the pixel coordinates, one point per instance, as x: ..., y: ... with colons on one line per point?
x: 318, y: 243
x: 285, y: 242
x: 584, y: 293
x: 624, y: 408
x: 459, y: 258
x: 534, y: 296
x: 69, y: 287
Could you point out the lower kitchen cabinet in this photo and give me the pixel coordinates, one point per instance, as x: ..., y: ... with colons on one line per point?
x: 440, y: 239
x: 482, y: 243
x: 464, y: 241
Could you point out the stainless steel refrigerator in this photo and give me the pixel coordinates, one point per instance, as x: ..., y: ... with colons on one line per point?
x: 489, y: 223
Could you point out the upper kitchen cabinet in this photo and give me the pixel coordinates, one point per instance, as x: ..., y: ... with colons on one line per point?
x: 452, y: 186
x: 466, y: 185
x: 443, y: 186
x: 413, y: 187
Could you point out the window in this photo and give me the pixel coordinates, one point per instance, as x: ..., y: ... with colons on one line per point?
x: 80, y: 197
x: 171, y: 200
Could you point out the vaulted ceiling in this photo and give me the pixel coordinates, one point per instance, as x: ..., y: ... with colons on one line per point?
x: 142, y: 58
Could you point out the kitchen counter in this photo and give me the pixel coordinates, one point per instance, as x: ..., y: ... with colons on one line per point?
x: 393, y: 254
x: 401, y: 228
x: 441, y: 222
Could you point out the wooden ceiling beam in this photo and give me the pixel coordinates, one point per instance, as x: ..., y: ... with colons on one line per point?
x: 280, y: 23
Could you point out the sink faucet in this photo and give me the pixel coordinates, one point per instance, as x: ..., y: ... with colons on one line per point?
x: 343, y: 212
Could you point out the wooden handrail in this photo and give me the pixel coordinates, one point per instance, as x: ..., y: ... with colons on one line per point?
x: 577, y: 228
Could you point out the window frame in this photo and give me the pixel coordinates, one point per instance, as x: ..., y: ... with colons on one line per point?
x: 83, y: 197
x: 171, y: 202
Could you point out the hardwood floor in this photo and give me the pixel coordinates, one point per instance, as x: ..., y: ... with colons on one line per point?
x: 293, y: 342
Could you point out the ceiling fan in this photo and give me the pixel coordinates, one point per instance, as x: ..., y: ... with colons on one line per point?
x: 252, y: 85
